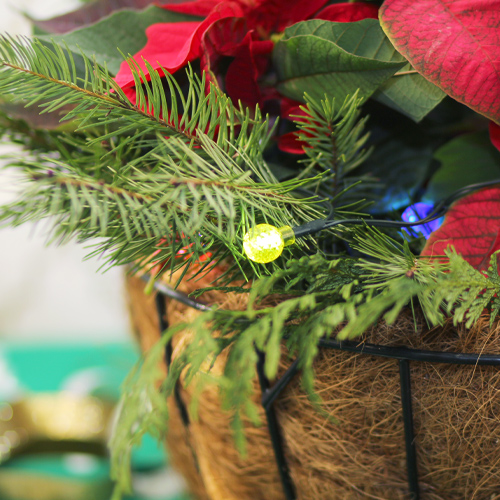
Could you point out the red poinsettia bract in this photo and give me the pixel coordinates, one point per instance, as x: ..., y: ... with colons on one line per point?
x: 472, y: 227
x: 233, y: 43
x: 495, y: 134
x: 453, y: 44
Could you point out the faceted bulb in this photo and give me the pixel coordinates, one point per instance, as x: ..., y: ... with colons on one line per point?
x: 263, y: 243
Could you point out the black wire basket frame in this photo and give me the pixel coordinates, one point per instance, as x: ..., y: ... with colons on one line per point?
x: 403, y: 355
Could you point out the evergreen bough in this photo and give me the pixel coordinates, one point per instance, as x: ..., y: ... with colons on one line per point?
x: 189, y: 170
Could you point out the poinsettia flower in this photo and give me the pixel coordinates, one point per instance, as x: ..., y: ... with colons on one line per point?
x: 172, y: 45
x: 245, y: 37
x: 200, y: 8
x: 249, y: 56
x: 273, y: 16
x: 237, y: 32
x: 268, y: 15
x: 250, y: 61
x: 169, y: 45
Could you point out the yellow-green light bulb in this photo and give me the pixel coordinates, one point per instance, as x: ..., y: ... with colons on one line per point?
x: 264, y: 243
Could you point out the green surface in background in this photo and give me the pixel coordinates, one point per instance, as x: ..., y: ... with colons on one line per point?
x: 49, y: 368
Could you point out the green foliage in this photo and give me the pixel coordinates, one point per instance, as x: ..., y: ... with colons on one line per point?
x: 467, y: 159
x: 409, y: 93
x: 319, y: 57
x: 311, y: 298
x: 143, y: 410
x: 468, y: 292
x: 190, y: 173
x: 125, y: 29
x: 450, y: 289
x: 335, y: 140
x: 186, y: 171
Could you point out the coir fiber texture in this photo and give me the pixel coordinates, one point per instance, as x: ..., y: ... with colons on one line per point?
x: 362, y: 454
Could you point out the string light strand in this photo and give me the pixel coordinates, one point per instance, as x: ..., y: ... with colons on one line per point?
x: 264, y: 243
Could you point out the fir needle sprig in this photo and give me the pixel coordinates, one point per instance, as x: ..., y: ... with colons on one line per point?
x: 159, y: 175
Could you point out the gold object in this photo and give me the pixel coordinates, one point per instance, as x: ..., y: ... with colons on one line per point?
x: 59, y: 422
x: 47, y: 421
x: 18, y: 485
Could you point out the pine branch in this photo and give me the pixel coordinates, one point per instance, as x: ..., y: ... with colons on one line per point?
x: 334, y: 138
x: 210, y: 204
x: 453, y: 286
x: 171, y: 172
x: 386, y: 259
x: 39, y: 75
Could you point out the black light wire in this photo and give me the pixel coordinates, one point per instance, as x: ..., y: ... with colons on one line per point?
x: 320, y: 224
x: 439, y: 210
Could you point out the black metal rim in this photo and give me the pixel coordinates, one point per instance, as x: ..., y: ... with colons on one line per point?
x: 403, y: 355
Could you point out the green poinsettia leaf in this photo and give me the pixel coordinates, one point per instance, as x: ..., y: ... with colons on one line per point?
x: 410, y: 94
x: 468, y: 159
x: 85, y: 14
x: 124, y: 30
x: 31, y: 115
x: 323, y: 57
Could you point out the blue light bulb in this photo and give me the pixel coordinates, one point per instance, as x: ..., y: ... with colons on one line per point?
x: 417, y: 212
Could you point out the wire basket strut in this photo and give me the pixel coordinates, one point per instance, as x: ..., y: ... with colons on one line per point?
x: 404, y: 355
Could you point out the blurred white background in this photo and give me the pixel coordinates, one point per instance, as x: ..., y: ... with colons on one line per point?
x: 49, y: 293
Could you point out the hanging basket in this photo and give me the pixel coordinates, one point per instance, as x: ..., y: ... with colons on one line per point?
x: 409, y: 413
